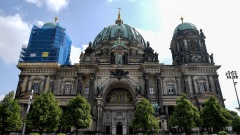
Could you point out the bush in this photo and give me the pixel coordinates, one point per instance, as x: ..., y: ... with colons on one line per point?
x: 34, y: 134
x: 222, y: 133
x: 61, y: 134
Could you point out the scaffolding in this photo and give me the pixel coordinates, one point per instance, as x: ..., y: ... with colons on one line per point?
x: 49, y: 43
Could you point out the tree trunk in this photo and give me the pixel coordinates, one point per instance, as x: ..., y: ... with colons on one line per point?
x: 145, y: 131
x: 2, y: 131
x: 187, y: 131
x: 41, y: 131
x: 76, y: 131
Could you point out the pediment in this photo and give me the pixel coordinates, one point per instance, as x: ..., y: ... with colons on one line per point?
x: 205, y: 95
x: 27, y: 95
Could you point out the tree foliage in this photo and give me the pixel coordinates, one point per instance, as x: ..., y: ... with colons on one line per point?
x: 77, y: 113
x: 235, y: 122
x: 10, y: 116
x: 45, y: 113
x: 213, y: 115
x: 185, y: 115
x: 144, y: 118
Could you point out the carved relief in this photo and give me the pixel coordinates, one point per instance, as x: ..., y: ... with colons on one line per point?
x: 119, y: 96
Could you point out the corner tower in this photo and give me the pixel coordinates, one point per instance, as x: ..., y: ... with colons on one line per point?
x: 47, y: 43
x: 188, y: 45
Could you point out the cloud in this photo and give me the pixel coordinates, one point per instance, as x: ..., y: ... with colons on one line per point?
x: 40, y: 23
x: 14, y: 33
x: 57, y: 5
x: 110, y: 1
x: 38, y: 3
x: 1, y: 97
x: 75, y: 53
x: 160, y: 42
x: 18, y: 8
x: 52, y: 5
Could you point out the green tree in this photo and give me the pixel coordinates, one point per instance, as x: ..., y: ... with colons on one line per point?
x: 10, y: 114
x: 144, y: 118
x: 235, y: 122
x: 78, y: 113
x: 185, y: 115
x: 45, y: 113
x: 213, y: 115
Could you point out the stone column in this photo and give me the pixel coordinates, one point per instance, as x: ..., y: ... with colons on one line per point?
x: 209, y: 82
x: 51, y: 83
x: 186, y: 85
x: 28, y: 84
x: 193, y: 86
x: 42, y: 85
x: 99, y: 114
x: 177, y: 86
x: 183, y: 86
x: 19, y: 86
x: 215, y: 77
x: 124, y: 128
x: 218, y: 89
x: 159, y: 92
x: 146, y: 92
x: 91, y: 88
x: 98, y: 117
x: 168, y: 122
x: 113, y: 129
x: 47, y: 84
x: 55, y: 87
x: 79, y: 83
x: 24, y: 84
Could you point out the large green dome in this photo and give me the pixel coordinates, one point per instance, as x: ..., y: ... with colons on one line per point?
x: 50, y: 25
x: 118, y: 31
x: 185, y: 26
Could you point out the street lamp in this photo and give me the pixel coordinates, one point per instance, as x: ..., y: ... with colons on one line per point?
x: 233, y: 75
x: 29, y: 103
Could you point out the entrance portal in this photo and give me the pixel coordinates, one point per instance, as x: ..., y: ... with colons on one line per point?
x: 119, y: 128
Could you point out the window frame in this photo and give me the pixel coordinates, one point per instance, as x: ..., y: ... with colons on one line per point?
x: 36, y: 87
x: 86, y: 91
x: 151, y: 91
x: 67, y: 88
x: 170, y: 86
x: 201, y: 87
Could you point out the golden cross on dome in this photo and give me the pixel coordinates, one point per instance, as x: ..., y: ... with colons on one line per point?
x: 181, y: 19
x: 119, y: 39
x: 55, y: 19
x: 119, y: 16
x: 119, y: 10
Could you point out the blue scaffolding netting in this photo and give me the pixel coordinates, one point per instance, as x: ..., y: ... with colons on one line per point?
x: 49, y: 43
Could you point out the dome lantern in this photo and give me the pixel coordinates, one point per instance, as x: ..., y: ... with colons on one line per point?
x: 119, y: 21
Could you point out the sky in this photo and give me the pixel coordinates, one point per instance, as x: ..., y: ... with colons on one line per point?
x: 154, y: 19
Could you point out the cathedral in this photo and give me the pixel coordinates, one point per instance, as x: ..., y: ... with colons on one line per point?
x: 117, y: 70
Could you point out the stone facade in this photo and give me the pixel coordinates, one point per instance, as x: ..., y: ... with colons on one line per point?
x: 117, y: 71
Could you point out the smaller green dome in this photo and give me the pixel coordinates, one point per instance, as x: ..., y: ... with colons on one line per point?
x: 184, y: 26
x: 49, y: 25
